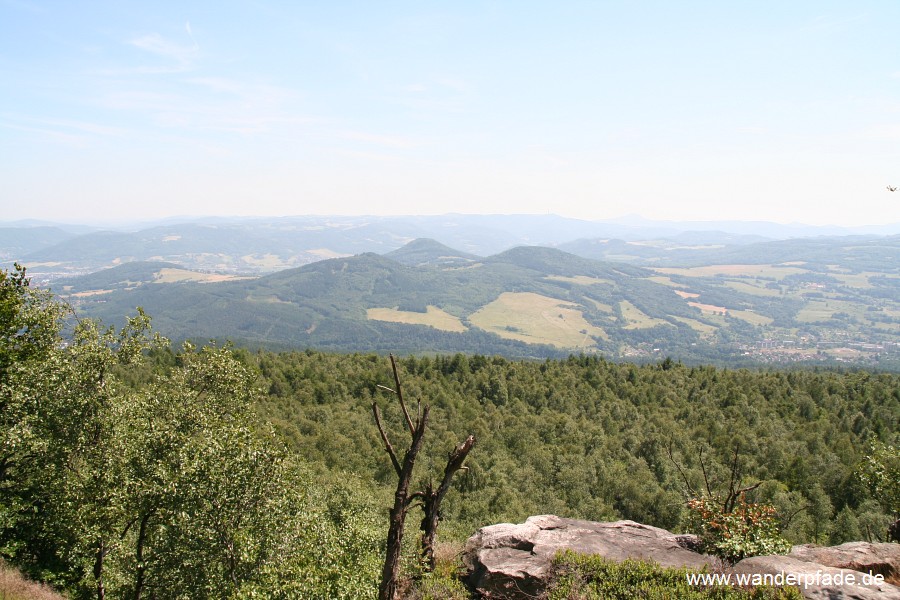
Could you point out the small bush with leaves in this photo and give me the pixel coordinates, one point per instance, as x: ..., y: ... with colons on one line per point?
x: 750, y: 529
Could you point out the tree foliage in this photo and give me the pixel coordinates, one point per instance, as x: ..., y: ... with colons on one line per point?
x: 587, y: 438
x: 171, y: 488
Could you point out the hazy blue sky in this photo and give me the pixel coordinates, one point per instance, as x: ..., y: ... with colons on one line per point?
x: 782, y: 110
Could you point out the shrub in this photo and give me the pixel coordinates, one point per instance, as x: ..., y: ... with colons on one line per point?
x: 590, y: 577
x: 750, y: 529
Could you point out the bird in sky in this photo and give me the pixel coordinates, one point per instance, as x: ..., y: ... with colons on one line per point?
x: 892, y: 188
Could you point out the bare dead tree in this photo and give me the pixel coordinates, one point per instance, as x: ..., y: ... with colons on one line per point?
x: 391, y: 570
x: 430, y: 499
x: 731, y: 495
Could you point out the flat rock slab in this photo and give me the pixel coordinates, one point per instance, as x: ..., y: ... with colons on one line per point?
x: 514, y: 561
x: 883, y: 559
x: 817, y: 581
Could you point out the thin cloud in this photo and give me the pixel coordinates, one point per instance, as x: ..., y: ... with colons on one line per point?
x: 183, y: 56
x: 187, y: 27
x: 82, y: 126
x: 68, y: 132
x: 389, y: 141
x: 233, y: 107
x: 828, y: 24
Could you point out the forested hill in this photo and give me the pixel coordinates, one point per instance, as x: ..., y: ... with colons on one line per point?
x: 588, y: 438
x: 529, y: 301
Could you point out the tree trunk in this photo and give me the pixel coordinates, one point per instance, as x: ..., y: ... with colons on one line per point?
x: 390, y: 573
x: 431, y: 503
x: 139, y: 557
x: 98, y: 570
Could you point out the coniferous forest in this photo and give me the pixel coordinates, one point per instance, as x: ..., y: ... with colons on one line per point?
x: 131, y: 468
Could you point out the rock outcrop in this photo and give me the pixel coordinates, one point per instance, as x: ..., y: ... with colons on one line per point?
x: 817, y: 581
x: 882, y: 559
x: 514, y: 561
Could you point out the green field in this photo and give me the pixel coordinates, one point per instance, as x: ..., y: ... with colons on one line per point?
x: 433, y: 317
x: 662, y: 280
x: 636, y: 319
x: 767, y: 271
x: 699, y: 327
x: 757, y: 288
x: 751, y: 317
x: 580, y: 280
x: 823, y: 310
x: 537, y: 319
x: 178, y: 275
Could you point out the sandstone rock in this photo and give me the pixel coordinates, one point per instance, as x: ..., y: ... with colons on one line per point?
x: 859, y: 556
x: 513, y: 561
x: 817, y: 581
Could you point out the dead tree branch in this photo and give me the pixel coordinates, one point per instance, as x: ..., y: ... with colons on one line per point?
x: 432, y: 500
x: 391, y: 571
x: 429, y: 499
x: 384, y: 438
x: 687, y: 483
x: 399, y: 391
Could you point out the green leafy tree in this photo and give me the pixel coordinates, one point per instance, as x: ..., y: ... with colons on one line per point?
x: 845, y: 528
x: 121, y: 482
x: 880, y: 472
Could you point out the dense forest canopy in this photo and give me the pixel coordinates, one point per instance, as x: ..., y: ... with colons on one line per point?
x: 129, y: 467
x: 589, y: 438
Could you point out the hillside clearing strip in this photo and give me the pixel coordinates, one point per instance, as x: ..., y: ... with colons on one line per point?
x: 432, y: 317
x: 537, y: 319
x: 770, y: 271
x: 635, y: 318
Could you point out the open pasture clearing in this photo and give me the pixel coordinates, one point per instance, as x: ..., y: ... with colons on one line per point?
x: 860, y: 280
x: 698, y: 326
x: 754, y: 288
x: 433, y: 317
x: 684, y: 294
x: 637, y: 319
x: 90, y: 293
x: 580, y: 280
x: 601, y: 306
x: 265, y: 261
x: 267, y: 299
x: 751, y: 317
x: 536, y: 319
x: 823, y: 310
x: 767, y: 271
x: 325, y: 253
x: 709, y: 308
x: 663, y: 280
x: 36, y: 265
x: 170, y: 275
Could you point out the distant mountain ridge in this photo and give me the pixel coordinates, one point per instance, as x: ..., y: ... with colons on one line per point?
x: 533, y: 301
x: 253, y: 246
x: 425, y: 251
